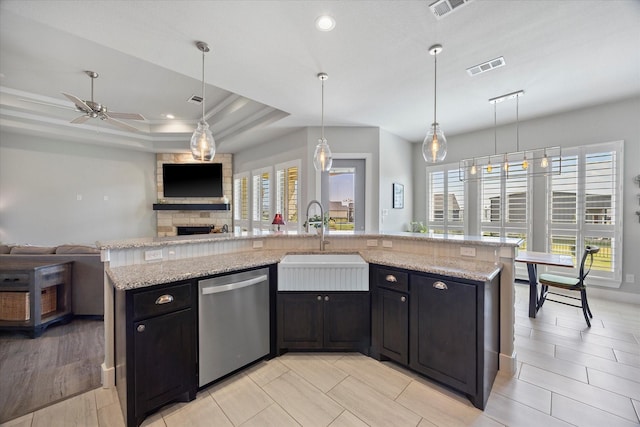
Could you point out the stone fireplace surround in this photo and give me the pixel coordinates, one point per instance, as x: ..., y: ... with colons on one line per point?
x: 168, y: 220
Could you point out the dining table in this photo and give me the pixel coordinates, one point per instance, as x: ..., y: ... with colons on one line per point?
x: 533, y: 259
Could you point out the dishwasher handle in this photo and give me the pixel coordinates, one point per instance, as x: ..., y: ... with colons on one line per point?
x: 231, y: 286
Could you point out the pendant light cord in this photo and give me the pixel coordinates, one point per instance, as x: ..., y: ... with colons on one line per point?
x: 495, y: 130
x: 435, y: 81
x: 203, y: 85
x: 517, y: 123
x: 322, y: 112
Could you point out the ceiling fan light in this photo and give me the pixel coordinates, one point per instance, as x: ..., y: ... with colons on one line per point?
x: 434, y: 146
x: 203, y: 146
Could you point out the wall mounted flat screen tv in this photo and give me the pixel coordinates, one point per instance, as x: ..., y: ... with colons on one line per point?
x: 192, y: 179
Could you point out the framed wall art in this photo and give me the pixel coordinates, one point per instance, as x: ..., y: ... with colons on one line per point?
x: 398, y: 196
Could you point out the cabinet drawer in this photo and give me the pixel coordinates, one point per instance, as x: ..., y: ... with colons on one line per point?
x: 160, y: 301
x: 392, y: 279
x: 14, y: 279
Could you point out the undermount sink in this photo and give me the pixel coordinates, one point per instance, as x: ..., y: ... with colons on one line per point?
x: 323, y: 272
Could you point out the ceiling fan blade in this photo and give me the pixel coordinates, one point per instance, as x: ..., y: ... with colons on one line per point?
x: 79, y: 102
x: 120, y: 124
x: 80, y: 119
x: 127, y: 116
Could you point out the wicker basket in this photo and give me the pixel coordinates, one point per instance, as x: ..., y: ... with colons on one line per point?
x: 15, y: 305
x: 49, y: 300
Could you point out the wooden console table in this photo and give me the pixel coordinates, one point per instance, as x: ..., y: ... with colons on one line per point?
x: 31, y: 278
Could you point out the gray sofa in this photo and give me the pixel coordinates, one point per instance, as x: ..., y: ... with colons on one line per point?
x: 87, y: 272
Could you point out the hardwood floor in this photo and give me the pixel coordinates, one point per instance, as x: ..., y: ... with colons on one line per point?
x: 61, y: 363
x: 567, y: 375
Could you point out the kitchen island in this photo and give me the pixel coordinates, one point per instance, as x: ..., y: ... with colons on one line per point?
x: 138, y: 263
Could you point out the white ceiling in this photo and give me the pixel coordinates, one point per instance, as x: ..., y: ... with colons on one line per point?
x: 261, y: 71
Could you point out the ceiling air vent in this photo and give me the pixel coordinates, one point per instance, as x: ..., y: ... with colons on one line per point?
x: 195, y: 99
x: 442, y: 8
x: 486, y: 66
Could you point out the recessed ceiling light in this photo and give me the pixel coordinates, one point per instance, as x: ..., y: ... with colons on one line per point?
x: 325, y: 23
x: 169, y: 116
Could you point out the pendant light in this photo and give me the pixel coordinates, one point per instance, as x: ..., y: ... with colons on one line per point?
x: 322, y: 157
x: 532, y: 162
x: 203, y: 146
x: 434, y: 146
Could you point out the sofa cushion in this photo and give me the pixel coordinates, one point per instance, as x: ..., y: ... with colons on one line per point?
x: 32, y: 250
x: 76, y: 249
x: 5, y: 249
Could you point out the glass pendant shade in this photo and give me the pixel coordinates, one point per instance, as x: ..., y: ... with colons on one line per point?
x: 322, y: 157
x: 203, y: 146
x: 434, y: 146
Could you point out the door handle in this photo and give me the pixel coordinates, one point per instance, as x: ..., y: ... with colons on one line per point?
x: 231, y: 286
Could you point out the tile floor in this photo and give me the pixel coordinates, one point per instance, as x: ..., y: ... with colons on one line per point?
x: 567, y: 375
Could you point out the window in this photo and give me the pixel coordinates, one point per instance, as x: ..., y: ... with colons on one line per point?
x: 241, y: 201
x: 287, y: 193
x: 261, y: 199
x: 584, y: 207
x: 445, y: 200
x: 511, y: 218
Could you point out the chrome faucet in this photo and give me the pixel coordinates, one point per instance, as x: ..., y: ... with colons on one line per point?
x: 322, y: 241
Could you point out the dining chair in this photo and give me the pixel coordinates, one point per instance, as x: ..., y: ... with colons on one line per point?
x: 571, y: 284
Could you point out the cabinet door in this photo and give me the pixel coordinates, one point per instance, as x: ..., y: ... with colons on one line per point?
x: 164, y: 360
x: 443, y: 331
x: 299, y: 320
x: 393, y: 325
x: 347, y: 324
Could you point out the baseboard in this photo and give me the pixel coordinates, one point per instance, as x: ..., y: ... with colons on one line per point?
x: 508, y: 363
x: 611, y: 295
x: 108, y: 377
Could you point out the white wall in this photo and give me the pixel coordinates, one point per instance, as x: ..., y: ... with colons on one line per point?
x: 603, y: 123
x: 344, y: 142
x: 349, y: 143
x: 40, y: 180
x: 395, y: 167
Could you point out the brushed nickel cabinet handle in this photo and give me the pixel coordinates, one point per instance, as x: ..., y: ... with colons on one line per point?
x: 440, y: 285
x: 403, y: 299
x: 391, y: 278
x: 326, y: 298
x: 164, y: 299
x: 319, y: 298
x: 141, y: 328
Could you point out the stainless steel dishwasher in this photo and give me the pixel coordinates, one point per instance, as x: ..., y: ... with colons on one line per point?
x: 233, y: 319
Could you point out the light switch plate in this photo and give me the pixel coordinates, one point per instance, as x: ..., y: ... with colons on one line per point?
x: 372, y: 242
x: 467, y: 251
x: 153, y: 255
x: 630, y: 278
x: 387, y: 244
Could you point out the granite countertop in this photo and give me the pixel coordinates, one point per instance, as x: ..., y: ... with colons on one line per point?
x: 202, y: 238
x: 155, y: 273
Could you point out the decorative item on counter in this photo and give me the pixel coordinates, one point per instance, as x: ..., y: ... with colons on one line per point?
x: 277, y: 220
x: 225, y: 199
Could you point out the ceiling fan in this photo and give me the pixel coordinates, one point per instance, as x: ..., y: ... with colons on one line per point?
x: 92, y: 109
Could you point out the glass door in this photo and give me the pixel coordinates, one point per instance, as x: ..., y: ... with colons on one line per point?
x: 343, y: 195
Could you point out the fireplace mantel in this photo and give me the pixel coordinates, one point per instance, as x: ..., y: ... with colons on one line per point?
x: 191, y: 207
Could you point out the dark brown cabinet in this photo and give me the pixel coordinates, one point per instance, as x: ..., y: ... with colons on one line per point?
x: 443, y: 331
x: 323, y: 320
x: 390, y: 314
x: 449, y: 331
x: 155, y: 348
